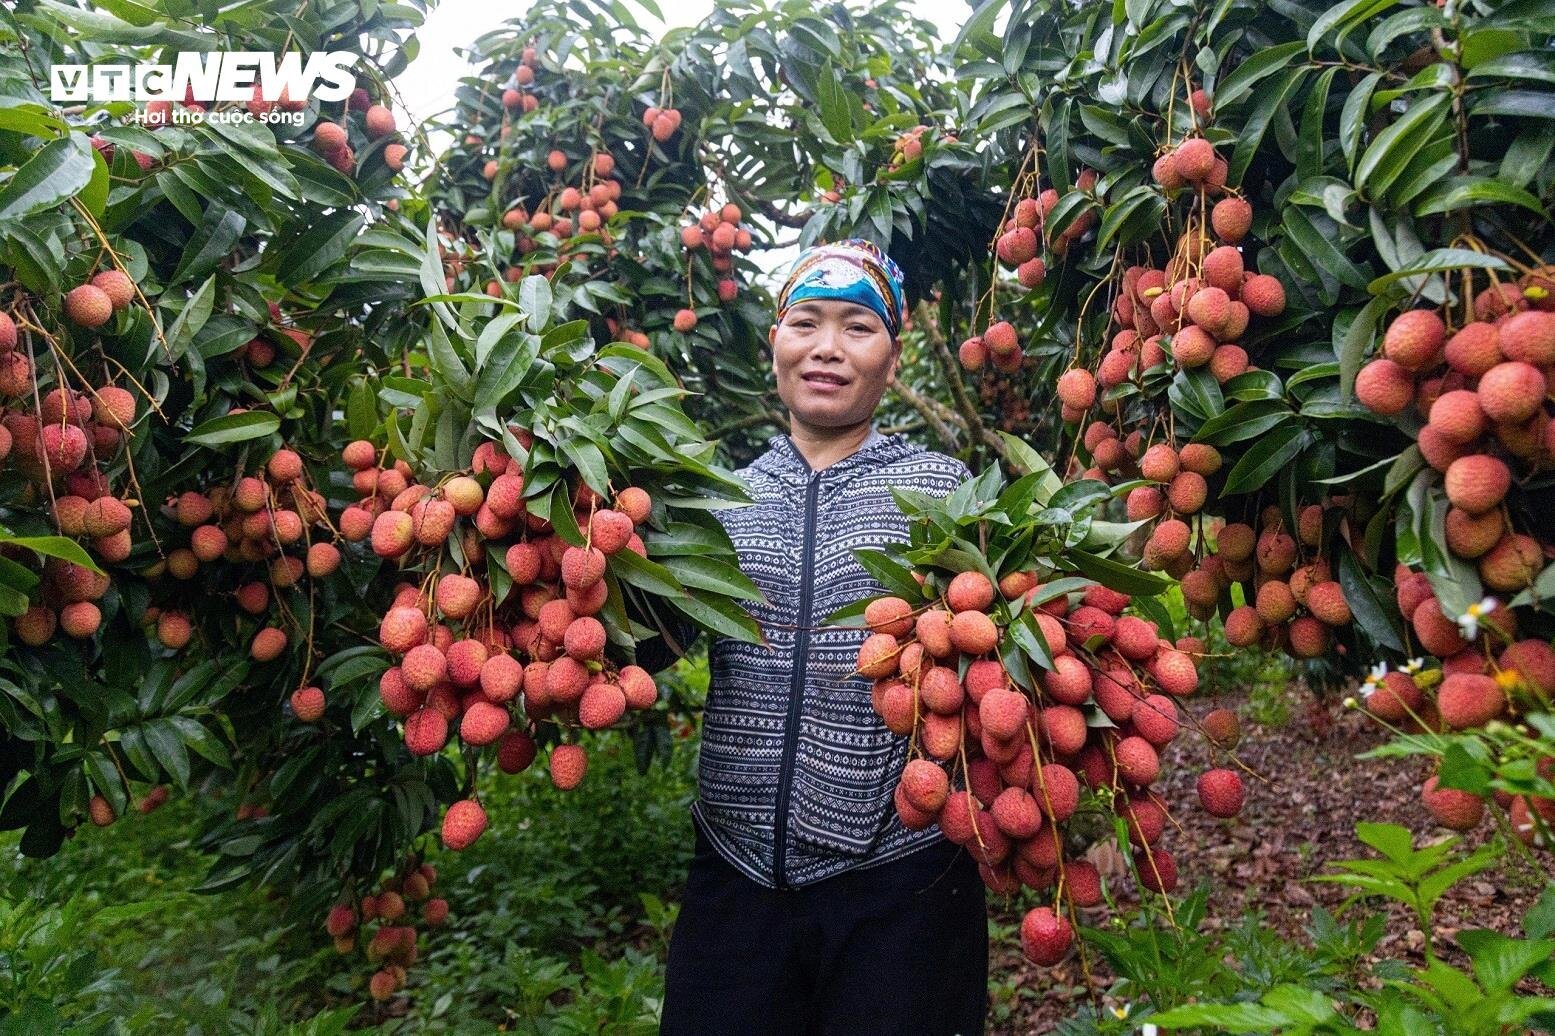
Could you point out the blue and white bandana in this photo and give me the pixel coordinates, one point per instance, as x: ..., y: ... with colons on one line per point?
x: 854, y: 270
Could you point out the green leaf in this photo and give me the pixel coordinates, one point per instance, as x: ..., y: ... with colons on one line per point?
x: 447, y: 362
x: 712, y: 574
x: 651, y: 576
x: 1391, y: 150
x: 316, y: 250
x: 1317, y: 246
x: 220, y: 431
x: 1243, y: 421
x: 719, y: 615
x: 1358, y: 337
x: 890, y: 573
x: 1269, y: 99
x: 192, y: 318
x: 57, y: 171
x: 94, y: 196
x: 1341, y: 18
x: 1439, y: 260
x: 1352, y: 117
x: 1365, y: 604
x: 534, y: 296
x: 1234, y: 1018
x: 62, y: 547
x: 836, y: 114
x: 1263, y: 62
x: 1462, y: 192
x: 1310, y: 138
x: 1132, y: 219
x: 1029, y: 638
x: 1265, y: 458
x: 1021, y: 456
x: 167, y: 746
x: 211, y: 243
x: 1123, y: 578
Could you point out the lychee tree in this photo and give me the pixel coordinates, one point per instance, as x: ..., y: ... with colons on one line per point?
x: 204, y: 327
x: 1237, y: 208
x: 756, y: 119
x: 181, y: 300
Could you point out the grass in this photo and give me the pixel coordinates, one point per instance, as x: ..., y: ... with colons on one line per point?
x: 558, y: 923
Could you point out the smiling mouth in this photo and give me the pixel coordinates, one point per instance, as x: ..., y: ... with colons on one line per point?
x: 822, y: 378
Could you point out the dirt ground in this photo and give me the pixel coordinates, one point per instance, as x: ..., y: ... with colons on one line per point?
x: 1292, y: 826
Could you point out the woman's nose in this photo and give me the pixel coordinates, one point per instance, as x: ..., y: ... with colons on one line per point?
x: 828, y: 342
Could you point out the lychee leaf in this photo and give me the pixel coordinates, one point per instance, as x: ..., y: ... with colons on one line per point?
x: 55, y: 172
x: 233, y: 428
x: 62, y: 547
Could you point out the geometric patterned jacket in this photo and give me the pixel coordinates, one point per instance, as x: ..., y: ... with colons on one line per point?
x: 796, y: 770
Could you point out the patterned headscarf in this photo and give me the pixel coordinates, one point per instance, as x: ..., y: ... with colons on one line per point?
x: 854, y: 270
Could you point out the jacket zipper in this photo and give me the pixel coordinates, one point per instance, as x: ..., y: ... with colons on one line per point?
x: 796, y: 687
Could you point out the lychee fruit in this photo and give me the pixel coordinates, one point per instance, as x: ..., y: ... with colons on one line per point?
x: 1467, y: 700
x: 393, y: 534
x: 464, y: 822
x: 1045, y: 937
x: 483, y: 723
x: 582, y: 567
x: 308, y: 704
x: 1231, y: 219
x: 515, y: 751
x: 1384, y: 387
x: 1222, y: 728
x: 1194, y: 158
x: 1477, y: 483
x: 1263, y: 295
x: 267, y: 645
x: 601, y: 706
x: 424, y: 667
x: 1529, y: 337
x: 569, y: 764
x: 426, y: 731
x: 88, y: 305
x: 1221, y: 792
x: 973, y: 633
x: 1511, y: 392
x: 1452, y: 807
x: 1474, y: 349
x: 1137, y: 761
x: 1414, y: 339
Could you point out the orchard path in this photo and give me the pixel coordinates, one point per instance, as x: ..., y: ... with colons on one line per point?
x: 1289, y: 830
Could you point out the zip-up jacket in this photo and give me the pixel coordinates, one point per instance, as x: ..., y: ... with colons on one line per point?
x: 797, y: 771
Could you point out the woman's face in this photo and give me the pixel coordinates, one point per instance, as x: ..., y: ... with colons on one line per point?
x: 833, y: 361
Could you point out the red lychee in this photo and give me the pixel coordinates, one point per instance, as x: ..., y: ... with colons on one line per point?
x: 464, y: 822
x: 1221, y: 792
x: 569, y: 764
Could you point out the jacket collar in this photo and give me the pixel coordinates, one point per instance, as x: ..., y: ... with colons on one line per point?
x: 784, y: 460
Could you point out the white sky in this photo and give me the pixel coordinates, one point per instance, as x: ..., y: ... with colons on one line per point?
x: 428, y: 86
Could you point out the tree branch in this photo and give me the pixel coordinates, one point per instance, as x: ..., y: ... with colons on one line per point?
x: 929, y: 410
x: 754, y: 420
x: 964, y: 404
x: 795, y: 221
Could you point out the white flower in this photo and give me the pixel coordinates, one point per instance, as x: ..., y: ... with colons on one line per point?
x: 1468, y: 622
x: 1413, y: 666
x: 1148, y: 1029
x: 1374, y: 679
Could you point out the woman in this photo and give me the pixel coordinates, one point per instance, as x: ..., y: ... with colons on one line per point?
x: 809, y: 907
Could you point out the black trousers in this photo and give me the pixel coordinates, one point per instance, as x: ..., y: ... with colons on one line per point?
x: 900, y: 948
